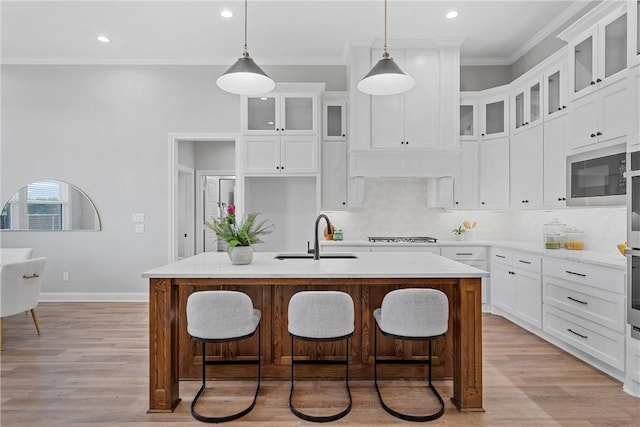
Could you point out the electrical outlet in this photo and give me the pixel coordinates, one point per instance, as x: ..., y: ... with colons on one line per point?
x: 65, y: 276
x: 139, y: 228
x: 137, y: 217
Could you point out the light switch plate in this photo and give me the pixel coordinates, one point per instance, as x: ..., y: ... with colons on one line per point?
x: 139, y: 228
x: 137, y: 217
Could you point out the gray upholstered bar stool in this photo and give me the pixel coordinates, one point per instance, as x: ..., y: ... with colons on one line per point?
x: 219, y: 317
x: 417, y: 315
x: 320, y: 316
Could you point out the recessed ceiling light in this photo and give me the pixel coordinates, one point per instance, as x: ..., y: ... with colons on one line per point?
x: 104, y: 39
x: 263, y: 98
x: 226, y: 13
x: 451, y: 14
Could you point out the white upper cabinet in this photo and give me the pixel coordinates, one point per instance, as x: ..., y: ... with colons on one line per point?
x: 598, y: 54
x: 409, y: 120
x: 554, y: 164
x: 280, y: 114
x: 465, y: 184
x: 526, y: 168
x: 334, y: 120
x: 275, y: 155
x: 600, y: 117
x: 634, y: 90
x: 494, y: 116
x: 493, y: 173
x: 526, y: 105
x: 633, y: 32
x: 555, y: 91
x: 334, y: 175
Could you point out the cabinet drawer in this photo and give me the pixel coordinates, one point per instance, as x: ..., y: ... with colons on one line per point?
x: 344, y: 248
x: 602, y: 307
x: 462, y: 253
x: 593, y: 339
x: 609, y: 279
x: 527, y: 261
x: 431, y: 249
x: 502, y: 256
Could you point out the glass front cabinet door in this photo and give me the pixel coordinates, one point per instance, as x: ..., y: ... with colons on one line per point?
x: 555, y: 93
x: 527, y: 105
x: 334, y: 115
x: 280, y: 114
x: 494, y: 119
x: 599, y: 54
x: 468, y: 120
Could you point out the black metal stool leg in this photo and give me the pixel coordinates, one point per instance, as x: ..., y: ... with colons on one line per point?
x: 237, y: 415
x: 325, y: 418
x: 397, y: 414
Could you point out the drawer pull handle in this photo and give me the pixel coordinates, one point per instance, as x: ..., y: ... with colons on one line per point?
x: 31, y: 276
x: 500, y: 256
x: 464, y: 253
x: 575, y: 274
x: 524, y: 262
x: 577, y: 300
x: 575, y: 333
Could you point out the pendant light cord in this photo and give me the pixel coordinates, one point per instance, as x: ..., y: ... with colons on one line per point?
x: 244, y: 52
x: 385, y: 53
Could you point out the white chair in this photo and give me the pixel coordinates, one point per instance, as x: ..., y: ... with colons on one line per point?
x: 219, y: 317
x: 20, y: 284
x: 320, y: 316
x: 416, y: 315
x: 8, y: 255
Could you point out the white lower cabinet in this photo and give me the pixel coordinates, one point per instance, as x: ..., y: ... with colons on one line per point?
x: 269, y: 155
x: 475, y: 256
x: 516, y: 288
x: 584, y: 306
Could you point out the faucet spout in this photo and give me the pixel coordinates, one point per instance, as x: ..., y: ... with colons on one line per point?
x: 316, y: 245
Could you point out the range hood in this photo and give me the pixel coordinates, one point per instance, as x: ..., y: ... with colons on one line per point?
x: 405, y: 163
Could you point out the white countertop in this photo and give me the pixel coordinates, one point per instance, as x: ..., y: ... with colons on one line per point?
x: 367, y: 265
x: 611, y: 259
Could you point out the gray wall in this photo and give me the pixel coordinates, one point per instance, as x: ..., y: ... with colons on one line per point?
x: 104, y: 128
x: 481, y: 77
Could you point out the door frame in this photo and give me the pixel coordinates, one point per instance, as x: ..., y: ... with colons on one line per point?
x: 199, y: 208
x: 188, y: 210
x: 172, y: 179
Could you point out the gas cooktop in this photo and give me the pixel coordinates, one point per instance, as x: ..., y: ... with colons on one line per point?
x: 407, y: 239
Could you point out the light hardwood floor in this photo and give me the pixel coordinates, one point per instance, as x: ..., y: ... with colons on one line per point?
x: 90, y: 367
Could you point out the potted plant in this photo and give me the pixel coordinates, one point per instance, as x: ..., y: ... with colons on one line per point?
x: 241, y: 236
x: 459, y: 231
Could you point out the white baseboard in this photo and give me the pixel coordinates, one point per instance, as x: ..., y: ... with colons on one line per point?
x: 94, y: 297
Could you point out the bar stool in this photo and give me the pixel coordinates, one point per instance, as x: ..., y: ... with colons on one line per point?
x: 219, y: 317
x: 415, y: 315
x: 320, y: 316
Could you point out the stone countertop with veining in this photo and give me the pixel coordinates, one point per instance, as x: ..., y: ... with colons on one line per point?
x: 367, y: 265
x: 608, y: 259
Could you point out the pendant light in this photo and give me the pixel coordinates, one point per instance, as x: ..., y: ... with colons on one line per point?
x: 245, y: 77
x: 386, y: 77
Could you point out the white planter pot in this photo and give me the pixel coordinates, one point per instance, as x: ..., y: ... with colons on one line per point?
x: 241, y: 255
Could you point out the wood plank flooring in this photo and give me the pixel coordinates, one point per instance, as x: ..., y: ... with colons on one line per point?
x: 90, y: 367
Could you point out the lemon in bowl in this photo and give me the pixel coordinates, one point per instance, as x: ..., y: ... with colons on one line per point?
x: 621, y: 247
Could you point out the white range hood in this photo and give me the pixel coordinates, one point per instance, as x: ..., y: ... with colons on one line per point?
x: 407, y: 163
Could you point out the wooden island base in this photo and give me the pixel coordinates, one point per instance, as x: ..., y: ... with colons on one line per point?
x: 173, y: 356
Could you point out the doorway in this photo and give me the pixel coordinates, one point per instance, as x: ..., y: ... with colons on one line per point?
x: 192, y: 156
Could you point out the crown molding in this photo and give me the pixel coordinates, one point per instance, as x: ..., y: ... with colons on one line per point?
x: 482, y: 61
x: 166, y: 61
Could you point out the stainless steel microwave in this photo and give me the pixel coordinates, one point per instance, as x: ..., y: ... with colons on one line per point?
x: 596, y: 177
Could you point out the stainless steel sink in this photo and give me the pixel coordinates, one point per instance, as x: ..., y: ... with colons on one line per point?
x: 335, y: 255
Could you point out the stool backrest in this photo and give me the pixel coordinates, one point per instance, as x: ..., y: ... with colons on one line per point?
x: 220, y: 314
x: 415, y: 312
x: 321, y: 314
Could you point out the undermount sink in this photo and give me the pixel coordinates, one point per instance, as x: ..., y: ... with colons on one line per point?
x: 310, y: 256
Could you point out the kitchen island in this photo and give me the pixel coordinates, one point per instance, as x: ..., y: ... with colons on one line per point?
x: 271, y: 282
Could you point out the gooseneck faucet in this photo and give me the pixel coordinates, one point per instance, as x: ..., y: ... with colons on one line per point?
x: 316, y: 246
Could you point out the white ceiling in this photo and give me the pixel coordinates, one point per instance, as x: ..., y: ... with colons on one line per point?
x: 280, y: 32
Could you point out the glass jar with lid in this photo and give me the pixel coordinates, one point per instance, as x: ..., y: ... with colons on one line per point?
x: 574, y: 239
x: 554, y: 234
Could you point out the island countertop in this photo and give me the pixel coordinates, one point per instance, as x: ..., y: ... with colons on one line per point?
x: 366, y: 265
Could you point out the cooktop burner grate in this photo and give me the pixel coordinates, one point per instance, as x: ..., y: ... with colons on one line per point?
x: 400, y: 239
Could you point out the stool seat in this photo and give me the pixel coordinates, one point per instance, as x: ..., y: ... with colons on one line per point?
x: 219, y: 317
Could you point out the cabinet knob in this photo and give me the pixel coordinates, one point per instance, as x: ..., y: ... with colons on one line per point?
x: 277, y: 167
x: 564, y: 107
x: 343, y: 135
x: 564, y: 198
x: 592, y: 83
x: 402, y: 142
x: 599, y: 133
x: 598, y: 80
x: 482, y: 134
x: 281, y: 167
x: 344, y: 203
x: 406, y: 142
x: 457, y: 203
x: 559, y: 108
x: 593, y: 135
x: 482, y: 203
x: 559, y: 199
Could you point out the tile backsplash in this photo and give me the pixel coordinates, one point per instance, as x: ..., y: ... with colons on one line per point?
x: 398, y: 206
